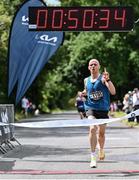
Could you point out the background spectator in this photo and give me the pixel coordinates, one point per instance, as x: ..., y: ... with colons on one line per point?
x: 136, y: 101
x: 25, y: 105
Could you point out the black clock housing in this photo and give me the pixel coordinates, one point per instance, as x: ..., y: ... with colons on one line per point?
x: 81, y: 18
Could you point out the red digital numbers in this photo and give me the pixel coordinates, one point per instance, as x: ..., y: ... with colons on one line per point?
x: 42, y: 19
x: 81, y: 18
x: 57, y: 19
x: 120, y: 18
x: 72, y: 18
x: 88, y: 18
x: 105, y: 19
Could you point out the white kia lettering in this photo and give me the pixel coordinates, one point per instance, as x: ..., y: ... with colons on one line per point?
x: 25, y: 19
x: 46, y: 38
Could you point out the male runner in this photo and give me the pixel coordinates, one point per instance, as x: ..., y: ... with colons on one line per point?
x: 98, y: 88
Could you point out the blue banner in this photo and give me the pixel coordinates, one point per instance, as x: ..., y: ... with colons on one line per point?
x: 29, y: 51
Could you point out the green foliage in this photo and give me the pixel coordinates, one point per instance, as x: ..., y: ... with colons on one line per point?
x: 7, y: 10
x: 58, y: 83
x: 55, y: 92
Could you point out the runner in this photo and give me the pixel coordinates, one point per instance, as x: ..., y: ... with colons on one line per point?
x: 80, y: 105
x: 98, y: 88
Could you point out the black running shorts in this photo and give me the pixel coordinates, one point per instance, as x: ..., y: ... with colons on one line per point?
x: 97, y: 114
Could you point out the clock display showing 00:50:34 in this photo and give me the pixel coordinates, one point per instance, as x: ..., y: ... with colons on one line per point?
x: 81, y: 18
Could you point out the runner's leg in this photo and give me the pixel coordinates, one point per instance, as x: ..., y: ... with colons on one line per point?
x: 101, y: 140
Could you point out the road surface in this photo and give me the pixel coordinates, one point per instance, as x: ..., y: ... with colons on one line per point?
x: 64, y: 153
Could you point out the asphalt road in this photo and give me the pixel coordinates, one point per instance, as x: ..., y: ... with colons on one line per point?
x: 64, y: 153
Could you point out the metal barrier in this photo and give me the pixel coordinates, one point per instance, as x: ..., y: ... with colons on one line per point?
x: 7, y: 131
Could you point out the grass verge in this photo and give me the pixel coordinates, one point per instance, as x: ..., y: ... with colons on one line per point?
x: 120, y: 114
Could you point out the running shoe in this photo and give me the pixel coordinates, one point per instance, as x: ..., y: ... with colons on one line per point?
x: 101, y: 154
x: 93, y: 163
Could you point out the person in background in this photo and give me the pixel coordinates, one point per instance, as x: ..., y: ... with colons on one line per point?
x: 80, y: 104
x: 25, y: 105
x: 98, y: 88
x: 113, y: 107
x: 31, y: 108
x: 128, y: 104
x: 119, y: 105
x: 136, y: 101
x: 125, y: 103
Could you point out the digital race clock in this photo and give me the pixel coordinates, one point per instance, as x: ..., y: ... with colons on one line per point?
x: 81, y: 18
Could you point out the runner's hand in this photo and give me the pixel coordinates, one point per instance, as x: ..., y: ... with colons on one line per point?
x: 83, y: 93
x: 105, y: 75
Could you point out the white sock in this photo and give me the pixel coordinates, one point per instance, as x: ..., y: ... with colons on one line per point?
x: 93, y: 154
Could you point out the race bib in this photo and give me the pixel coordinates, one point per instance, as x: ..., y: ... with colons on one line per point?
x: 97, y: 95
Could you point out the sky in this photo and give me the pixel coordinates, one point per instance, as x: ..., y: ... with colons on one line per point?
x: 53, y: 2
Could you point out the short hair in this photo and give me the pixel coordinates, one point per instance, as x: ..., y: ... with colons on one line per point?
x: 95, y: 61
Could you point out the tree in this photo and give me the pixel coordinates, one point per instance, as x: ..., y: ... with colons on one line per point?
x: 116, y: 51
x: 63, y: 76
